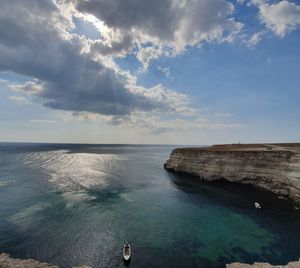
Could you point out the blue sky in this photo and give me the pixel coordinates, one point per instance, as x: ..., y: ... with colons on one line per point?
x: 200, y: 73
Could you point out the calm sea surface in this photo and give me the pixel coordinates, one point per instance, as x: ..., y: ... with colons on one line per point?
x: 77, y: 204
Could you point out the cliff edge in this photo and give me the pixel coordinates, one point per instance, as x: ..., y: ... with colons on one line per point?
x: 274, y: 167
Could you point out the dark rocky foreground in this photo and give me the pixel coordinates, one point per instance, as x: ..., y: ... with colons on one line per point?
x: 293, y: 264
x: 7, y: 262
x: 273, y: 167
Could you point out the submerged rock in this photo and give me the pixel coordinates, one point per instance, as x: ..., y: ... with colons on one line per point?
x: 274, y: 167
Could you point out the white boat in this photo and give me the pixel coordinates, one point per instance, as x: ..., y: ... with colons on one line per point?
x: 257, y: 205
x: 126, y: 252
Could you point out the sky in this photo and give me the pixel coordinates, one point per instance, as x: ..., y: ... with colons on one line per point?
x: 150, y: 72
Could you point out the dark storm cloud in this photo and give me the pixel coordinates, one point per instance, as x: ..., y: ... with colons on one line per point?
x: 172, y: 23
x: 157, y: 17
x: 34, y: 42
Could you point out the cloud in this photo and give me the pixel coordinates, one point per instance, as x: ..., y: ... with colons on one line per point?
x: 36, y: 42
x: 165, y: 70
x: 171, y: 24
x: 223, y: 114
x: 154, y: 123
x: 71, y: 72
x: 3, y: 82
x: 255, y: 38
x: 18, y: 99
x: 156, y: 19
x: 42, y: 121
x: 30, y: 87
x: 146, y: 54
x: 118, y: 47
x: 281, y: 17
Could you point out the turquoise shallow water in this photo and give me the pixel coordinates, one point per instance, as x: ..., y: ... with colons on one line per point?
x: 77, y: 204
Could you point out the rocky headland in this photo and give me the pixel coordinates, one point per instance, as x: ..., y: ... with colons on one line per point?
x: 273, y: 167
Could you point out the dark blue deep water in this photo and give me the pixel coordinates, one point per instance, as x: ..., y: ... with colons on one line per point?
x: 77, y: 204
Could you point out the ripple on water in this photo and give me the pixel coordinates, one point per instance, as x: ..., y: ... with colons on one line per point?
x: 74, y: 171
x: 73, y: 198
x: 6, y: 183
x: 27, y: 215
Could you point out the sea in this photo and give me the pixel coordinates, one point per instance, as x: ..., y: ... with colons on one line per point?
x: 77, y: 204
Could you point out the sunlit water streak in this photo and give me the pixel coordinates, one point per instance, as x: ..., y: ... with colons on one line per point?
x: 77, y: 204
x: 74, y: 171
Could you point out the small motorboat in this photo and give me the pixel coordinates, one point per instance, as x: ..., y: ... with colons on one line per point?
x: 257, y: 205
x: 126, y: 252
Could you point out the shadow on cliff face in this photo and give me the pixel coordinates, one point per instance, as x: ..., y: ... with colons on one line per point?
x: 230, y: 194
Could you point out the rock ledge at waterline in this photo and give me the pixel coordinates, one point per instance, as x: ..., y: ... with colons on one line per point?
x: 7, y: 262
x: 274, y: 167
x: 293, y: 264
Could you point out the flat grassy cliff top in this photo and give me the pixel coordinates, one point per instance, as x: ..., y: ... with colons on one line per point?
x: 293, y: 147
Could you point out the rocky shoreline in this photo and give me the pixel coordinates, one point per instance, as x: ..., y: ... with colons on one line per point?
x: 7, y: 262
x: 273, y: 167
x: 293, y: 264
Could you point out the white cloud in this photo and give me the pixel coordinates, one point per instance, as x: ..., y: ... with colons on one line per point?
x: 37, y: 42
x: 73, y: 73
x: 146, y: 54
x: 30, y: 87
x: 281, y: 17
x: 18, y: 99
x: 163, y: 25
x: 42, y: 121
x: 165, y: 70
x: 223, y: 114
x: 154, y: 123
x: 255, y: 39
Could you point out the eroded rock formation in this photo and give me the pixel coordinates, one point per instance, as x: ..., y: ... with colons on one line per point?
x: 274, y: 167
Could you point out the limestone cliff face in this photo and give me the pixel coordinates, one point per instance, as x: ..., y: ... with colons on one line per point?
x: 275, y: 167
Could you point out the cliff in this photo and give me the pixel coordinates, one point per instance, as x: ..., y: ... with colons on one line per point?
x: 274, y: 167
